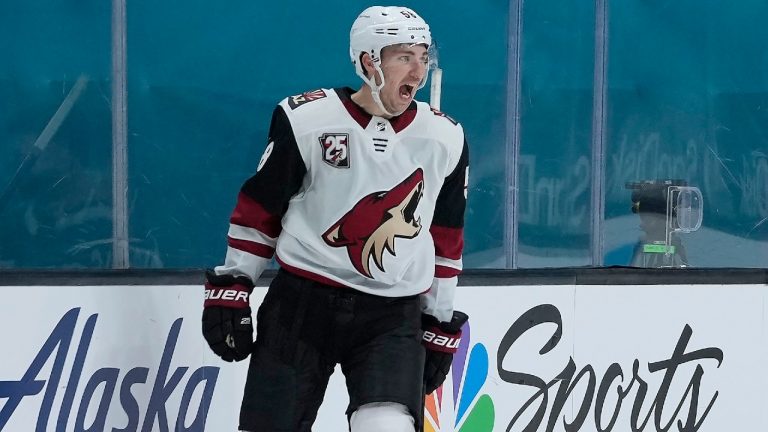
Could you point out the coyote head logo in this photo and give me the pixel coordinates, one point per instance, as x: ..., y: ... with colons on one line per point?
x: 374, y: 222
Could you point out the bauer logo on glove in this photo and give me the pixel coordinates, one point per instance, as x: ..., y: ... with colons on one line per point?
x: 227, y: 324
x: 235, y: 295
x: 442, y: 342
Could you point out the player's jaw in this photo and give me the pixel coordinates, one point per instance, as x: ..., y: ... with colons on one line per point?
x: 399, y: 94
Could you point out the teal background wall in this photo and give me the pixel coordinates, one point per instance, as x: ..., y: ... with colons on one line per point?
x: 56, y: 211
x: 557, y: 57
x: 686, y: 97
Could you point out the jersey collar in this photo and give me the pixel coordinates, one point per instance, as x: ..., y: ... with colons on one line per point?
x: 362, y: 117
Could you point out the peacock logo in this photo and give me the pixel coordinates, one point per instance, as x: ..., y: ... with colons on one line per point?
x: 471, y: 411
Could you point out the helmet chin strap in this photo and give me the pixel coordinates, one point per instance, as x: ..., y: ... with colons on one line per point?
x: 377, y: 99
x: 376, y: 89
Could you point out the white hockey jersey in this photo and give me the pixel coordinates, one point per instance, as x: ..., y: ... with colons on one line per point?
x: 355, y: 200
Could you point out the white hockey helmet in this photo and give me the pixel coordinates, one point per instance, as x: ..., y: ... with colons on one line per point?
x: 381, y: 26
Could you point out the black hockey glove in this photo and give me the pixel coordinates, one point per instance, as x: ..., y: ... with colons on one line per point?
x: 441, y: 340
x: 227, y: 323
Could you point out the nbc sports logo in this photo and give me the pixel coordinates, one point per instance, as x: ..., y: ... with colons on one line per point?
x: 464, y: 409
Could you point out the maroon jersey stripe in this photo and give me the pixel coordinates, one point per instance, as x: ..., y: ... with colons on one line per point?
x: 251, y: 214
x: 449, y: 242
x: 446, y: 272
x: 254, y: 248
x: 309, y: 275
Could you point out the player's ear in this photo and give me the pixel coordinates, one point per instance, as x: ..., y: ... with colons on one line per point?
x: 367, y: 62
x: 368, y: 67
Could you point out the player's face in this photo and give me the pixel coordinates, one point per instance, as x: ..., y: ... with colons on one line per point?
x: 404, y: 67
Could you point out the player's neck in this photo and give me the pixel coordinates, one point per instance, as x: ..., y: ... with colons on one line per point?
x: 365, y: 100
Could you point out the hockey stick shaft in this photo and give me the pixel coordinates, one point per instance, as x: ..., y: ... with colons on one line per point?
x: 436, y: 88
x: 43, y: 139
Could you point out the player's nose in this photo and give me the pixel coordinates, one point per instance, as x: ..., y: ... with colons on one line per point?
x: 418, y: 69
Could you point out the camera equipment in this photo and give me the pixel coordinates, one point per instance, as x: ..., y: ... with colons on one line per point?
x: 666, y: 208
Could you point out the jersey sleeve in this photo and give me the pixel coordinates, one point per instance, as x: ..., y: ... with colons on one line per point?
x: 263, y: 199
x: 448, y: 235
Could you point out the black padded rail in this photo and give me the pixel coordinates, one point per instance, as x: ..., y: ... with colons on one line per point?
x: 616, y: 276
x: 476, y: 277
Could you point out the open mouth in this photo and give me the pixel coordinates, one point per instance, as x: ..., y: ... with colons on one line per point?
x: 406, y: 91
x: 410, y: 208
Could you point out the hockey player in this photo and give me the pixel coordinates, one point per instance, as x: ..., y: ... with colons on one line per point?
x: 360, y: 195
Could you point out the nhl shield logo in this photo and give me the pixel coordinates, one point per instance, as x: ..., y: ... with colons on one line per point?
x: 335, y: 148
